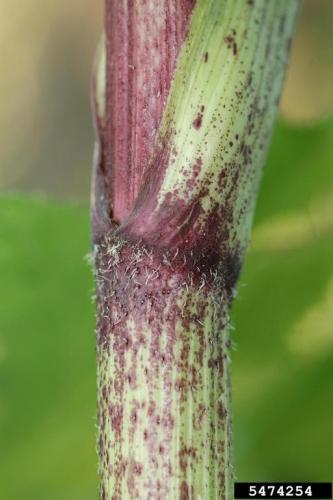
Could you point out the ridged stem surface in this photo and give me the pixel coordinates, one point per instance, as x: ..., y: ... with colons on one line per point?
x: 163, y: 375
x: 185, y: 98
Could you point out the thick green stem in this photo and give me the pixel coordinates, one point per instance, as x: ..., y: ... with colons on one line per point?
x: 163, y: 375
x: 185, y: 95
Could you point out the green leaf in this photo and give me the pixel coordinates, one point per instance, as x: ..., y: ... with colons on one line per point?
x: 299, y: 169
x: 47, y: 353
x: 283, y: 317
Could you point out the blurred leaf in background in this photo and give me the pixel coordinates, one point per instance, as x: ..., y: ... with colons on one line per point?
x: 283, y: 370
x: 47, y: 361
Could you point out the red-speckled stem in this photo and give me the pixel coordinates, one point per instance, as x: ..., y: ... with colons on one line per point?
x: 185, y: 97
x: 163, y: 358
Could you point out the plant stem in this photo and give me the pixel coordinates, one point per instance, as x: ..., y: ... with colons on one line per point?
x: 185, y: 96
x: 163, y: 375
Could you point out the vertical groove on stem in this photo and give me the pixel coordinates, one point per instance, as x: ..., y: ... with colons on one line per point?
x: 185, y: 97
x: 143, y: 40
x: 163, y: 375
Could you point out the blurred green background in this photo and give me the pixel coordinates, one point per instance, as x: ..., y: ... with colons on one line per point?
x: 283, y: 316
